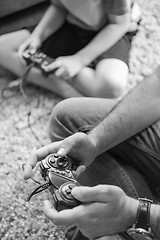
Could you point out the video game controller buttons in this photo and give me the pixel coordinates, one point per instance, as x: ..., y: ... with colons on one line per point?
x: 62, y: 162
x: 59, y: 179
x: 65, y: 192
x: 45, y: 63
x: 44, y: 165
x: 41, y: 55
x: 57, y: 161
x: 52, y: 160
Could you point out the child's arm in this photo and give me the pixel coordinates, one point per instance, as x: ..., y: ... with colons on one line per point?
x: 106, y: 38
x: 50, y: 22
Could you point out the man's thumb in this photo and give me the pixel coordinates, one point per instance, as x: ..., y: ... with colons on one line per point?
x: 90, y: 194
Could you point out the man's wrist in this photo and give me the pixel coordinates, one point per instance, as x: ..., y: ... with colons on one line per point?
x: 155, y: 219
x: 93, y: 139
x: 131, y: 211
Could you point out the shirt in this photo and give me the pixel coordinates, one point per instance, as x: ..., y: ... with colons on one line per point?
x: 92, y: 14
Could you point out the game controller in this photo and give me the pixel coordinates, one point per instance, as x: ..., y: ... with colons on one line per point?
x: 40, y: 60
x: 59, y: 180
x: 58, y: 170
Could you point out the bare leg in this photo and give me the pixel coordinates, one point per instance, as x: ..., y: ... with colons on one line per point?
x: 109, y: 80
x: 9, y: 44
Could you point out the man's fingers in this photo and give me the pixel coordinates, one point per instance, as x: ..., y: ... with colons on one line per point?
x: 98, y: 193
x: 52, y: 66
x: 63, y: 218
x: 79, y: 171
x: 75, y: 140
x: 37, y: 156
x: 62, y: 148
x: 28, y: 170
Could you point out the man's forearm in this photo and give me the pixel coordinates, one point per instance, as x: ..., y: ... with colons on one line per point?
x: 136, y: 111
x: 50, y: 22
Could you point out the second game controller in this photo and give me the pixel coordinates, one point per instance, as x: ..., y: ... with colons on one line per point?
x: 40, y: 60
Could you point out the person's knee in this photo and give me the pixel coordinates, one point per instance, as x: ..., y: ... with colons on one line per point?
x: 117, y: 88
x: 112, y: 86
x: 112, y: 75
x: 58, y: 127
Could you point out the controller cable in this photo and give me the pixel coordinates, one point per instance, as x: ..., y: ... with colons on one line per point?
x: 19, y: 83
x: 40, y: 188
x: 7, y: 92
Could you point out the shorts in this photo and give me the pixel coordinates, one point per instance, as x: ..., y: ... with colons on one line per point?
x: 70, y: 38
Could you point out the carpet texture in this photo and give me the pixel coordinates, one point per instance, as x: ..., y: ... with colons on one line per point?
x: 20, y: 220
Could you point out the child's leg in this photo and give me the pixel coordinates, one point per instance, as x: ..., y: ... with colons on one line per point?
x: 9, y: 44
x: 109, y: 80
x: 110, y: 74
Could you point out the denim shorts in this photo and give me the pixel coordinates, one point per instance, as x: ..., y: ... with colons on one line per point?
x: 70, y: 38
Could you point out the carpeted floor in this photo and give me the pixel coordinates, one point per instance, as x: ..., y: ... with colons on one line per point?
x: 20, y: 220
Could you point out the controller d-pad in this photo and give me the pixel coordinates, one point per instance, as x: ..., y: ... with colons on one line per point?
x: 52, y: 160
x: 67, y: 189
x: 58, y: 162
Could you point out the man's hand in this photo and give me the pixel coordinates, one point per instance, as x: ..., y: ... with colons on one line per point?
x: 79, y: 146
x: 107, y: 210
x: 68, y: 67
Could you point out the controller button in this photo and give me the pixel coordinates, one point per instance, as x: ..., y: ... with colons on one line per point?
x: 71, y: 186
x: 68, y: 191
x: 62, y: 162
x: 45, y: 63
x: 52, y: 160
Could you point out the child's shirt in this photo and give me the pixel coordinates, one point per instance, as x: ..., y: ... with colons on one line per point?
x: 93, y: 14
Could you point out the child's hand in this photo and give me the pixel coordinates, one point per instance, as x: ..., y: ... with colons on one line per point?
x: 32, y: 42
x: 68, y: 67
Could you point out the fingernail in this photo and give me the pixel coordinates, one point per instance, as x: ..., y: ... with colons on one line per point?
x: 74, y: 192
x: 61, y: 151
x: 83, y: 168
